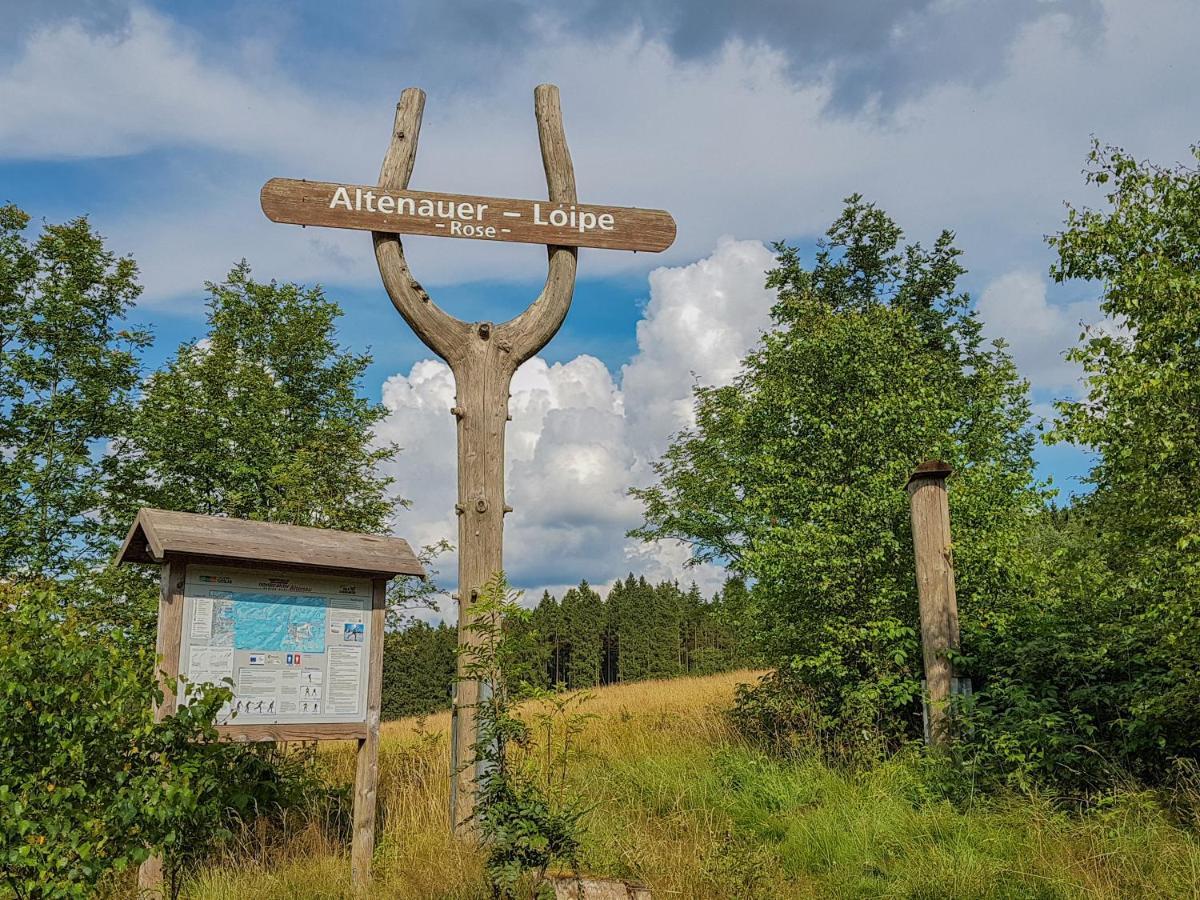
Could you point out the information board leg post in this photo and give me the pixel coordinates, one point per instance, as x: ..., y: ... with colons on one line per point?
x: 366, y: 773
x: 150, y: 878
x: 170, y: 628
x: 366, y: 780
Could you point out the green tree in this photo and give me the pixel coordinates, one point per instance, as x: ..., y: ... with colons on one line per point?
x: 583, y: 623
x: 260, y: 420
x: 1131, y: 555
x: 628, y: 614
x: 664, y: 643
x: 68, y: 368
x: 418, y: 669
x: 794, y: 474
x: 729, y: 612
x: 547, y: 624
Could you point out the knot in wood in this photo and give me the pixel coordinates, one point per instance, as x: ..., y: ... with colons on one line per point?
x: 485, y: 330
x: 505, y: 346
x: 481, y: 505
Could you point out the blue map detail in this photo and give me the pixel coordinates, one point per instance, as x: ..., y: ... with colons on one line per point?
x: 272, y: 623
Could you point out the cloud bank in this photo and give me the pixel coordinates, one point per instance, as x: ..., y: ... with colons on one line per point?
x: 578, y: 440
x: 715, y: 117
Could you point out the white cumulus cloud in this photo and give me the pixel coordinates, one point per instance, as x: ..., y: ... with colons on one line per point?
x: 578, y: 440
x: 1015, y: 307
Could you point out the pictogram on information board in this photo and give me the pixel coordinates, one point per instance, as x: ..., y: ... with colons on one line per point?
x: 293, y: 648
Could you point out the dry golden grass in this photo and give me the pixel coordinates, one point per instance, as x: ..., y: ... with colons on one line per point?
x: 682, y: 805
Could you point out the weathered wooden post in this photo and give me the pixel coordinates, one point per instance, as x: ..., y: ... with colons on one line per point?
x: 483, y: 358
x: 935, y: 590
x: 482, y: 355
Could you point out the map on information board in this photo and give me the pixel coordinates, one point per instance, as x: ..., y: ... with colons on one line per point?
x: 293, y: 648
x: 263, y: 622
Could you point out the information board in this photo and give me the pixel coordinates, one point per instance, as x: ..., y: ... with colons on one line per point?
x: 295, y: 647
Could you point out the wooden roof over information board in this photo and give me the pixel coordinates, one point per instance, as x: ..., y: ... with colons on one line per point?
x: 159, y: 533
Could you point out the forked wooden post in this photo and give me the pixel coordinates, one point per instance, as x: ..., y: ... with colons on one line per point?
x: 935, y: 589
x: 483, y: 357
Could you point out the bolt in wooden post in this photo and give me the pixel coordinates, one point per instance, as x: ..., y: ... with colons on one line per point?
x: 935, y: 589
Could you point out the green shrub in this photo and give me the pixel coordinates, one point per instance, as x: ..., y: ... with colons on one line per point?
x: 90, y: 784
x: 527, y: 816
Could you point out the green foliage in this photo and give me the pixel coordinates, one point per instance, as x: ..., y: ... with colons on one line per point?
x: 260, y: 420
x: 418, y: 669
x: 583, y: 624
x: 644, y: 622
x: 1141, y: 415
x: 639, y: 632
x: 90, y: 784
x: 68, y: 368
x: 729, y: 821
x: 1096, y: 680
x: 794, y: 475
x: 528, y: 816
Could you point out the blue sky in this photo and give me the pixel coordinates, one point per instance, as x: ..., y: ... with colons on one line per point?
x: 749, y: 122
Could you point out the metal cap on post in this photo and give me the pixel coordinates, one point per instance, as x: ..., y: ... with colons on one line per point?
x: 931, y: 468
x: 930, y: 509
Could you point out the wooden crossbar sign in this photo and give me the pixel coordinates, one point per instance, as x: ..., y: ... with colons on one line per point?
x: 372, y: 208
x: 482, y: 355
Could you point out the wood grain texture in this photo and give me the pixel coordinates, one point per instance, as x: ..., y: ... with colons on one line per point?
x: 935, y: 591
x: 158, y: 533
x: 366, y: 776
x: 466, y: 216
x: 330, y: 731
x: 483, y: 357
x: 170, y: 632
x: 167, y: 642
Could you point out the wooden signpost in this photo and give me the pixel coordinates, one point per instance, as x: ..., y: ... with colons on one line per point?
x: 482, y: 355
x: 294, y: 617
x: 936, y: 595
x: 458, y: 215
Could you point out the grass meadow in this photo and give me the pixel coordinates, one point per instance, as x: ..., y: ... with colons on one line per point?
x: 683, y: 806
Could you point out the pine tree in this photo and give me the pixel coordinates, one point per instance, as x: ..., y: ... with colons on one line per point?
x: 418, y: 669
x: 547, y: 622
x: 583, y: 619
x: 663, y: 629
x: 694, y: 632
x: 528, y: 652
x: 731, y: 609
